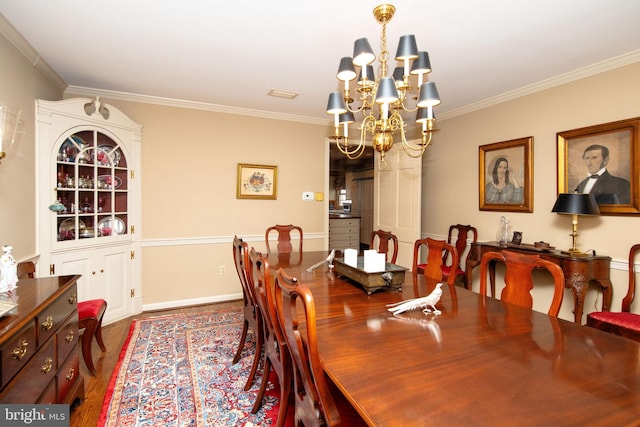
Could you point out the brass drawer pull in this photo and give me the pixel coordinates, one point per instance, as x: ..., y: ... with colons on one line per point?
x: 73, y: 299
x: 48, y: 364
x: 20, y: 351
x: 70, y: 375
x: 48, y: 323
x: 69, y: 337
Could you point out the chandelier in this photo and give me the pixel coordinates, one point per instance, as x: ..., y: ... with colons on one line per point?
x: 383, y: 97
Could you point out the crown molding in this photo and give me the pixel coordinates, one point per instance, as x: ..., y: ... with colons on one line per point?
x: 581, y: 73
x: 23, y: 46
x: 194, y: 105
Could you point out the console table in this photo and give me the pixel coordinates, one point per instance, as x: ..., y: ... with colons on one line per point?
x: 39, y: 352
x: 579, y: 272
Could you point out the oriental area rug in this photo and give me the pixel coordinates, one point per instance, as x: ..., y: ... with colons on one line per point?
x: 177, y: 370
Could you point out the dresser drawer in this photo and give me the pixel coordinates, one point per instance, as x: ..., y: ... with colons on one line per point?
x: 17, y: 351
x: 68, y: 375
x: 67, y: 337
x: 34, y: 378
x: 52, y: 317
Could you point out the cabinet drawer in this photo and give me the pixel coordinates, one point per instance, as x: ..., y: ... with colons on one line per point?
x: 68, y: 375
x: 34, y: 378
x: 67, y: 337
x: 17, y: 351
x: 344, y: 223
x: 52, y: 317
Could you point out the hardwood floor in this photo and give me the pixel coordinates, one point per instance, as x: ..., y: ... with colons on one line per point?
x: 114, y: 336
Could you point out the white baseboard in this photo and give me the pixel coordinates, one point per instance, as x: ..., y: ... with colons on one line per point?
x: 187, y: 302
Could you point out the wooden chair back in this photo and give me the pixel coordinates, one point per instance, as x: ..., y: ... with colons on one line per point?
x: 26, y: 270
x: 252, y: 317
x: 518, y: 278
x: 314, y: 402
x: 439, y: 251
x: 276, y: 353
x: 631, y: 290
x: 284, y: 237
x: 462, y: 233
x: 380, y: 241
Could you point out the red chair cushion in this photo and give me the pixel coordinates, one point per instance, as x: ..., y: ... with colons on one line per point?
x: 623, y: 319
x: 90, y: 308
x: 446, y: 269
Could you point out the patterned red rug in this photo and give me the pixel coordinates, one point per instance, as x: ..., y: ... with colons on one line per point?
x: 176, y: 370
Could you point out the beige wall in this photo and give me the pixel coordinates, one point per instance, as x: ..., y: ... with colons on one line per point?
x: 189, y: 207
x: 20, y: 84
x: 450, y: 188
x: 189, y: 157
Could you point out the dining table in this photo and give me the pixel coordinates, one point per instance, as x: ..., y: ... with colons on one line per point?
x: 479, y: 362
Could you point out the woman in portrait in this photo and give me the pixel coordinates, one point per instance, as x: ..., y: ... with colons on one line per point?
x: 503, y: 188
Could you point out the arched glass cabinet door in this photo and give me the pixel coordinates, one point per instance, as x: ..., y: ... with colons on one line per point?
x: 92, y: 179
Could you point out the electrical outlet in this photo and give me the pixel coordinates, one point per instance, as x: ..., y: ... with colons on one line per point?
x: 307, y: 195
x: 223, y: 270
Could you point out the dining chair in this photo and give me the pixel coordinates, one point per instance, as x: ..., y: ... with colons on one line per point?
x: 461, y: 233
x: 438, y: 252
x: 623, y: 322
x: 518, y: 278
x: 284, y: 237
x: 380, y: 242
x: 275, y: 357
x: 252, y: 317
x: 315, y: 403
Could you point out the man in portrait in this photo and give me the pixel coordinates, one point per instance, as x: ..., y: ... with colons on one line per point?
x: 606, y: 188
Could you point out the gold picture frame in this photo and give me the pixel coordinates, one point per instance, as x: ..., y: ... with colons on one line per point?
x: 257, y: 182
x: 511, y: 161
x: 581, y: 153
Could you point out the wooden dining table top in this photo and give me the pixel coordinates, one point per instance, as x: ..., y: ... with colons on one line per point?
x: 481, y: 362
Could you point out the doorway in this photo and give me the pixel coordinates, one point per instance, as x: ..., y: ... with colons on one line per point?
x: 351, y: 188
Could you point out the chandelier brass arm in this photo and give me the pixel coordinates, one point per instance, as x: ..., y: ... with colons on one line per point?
x: 383, y: 97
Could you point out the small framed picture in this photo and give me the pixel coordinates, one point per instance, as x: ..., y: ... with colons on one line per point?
x: 506, y: 176
x: 257, y: 182
x: 603, y: 160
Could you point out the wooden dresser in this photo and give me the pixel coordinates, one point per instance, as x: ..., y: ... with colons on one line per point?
x: 39, y: 351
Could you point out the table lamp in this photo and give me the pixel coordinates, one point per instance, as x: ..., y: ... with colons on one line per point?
x: 575, y: 204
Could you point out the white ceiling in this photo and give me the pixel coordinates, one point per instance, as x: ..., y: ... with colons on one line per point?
x: 233, y: 53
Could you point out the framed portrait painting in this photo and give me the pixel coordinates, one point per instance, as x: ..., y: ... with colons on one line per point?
x: 506, y: 170
x: 602, y: 160
x: 257, y: 182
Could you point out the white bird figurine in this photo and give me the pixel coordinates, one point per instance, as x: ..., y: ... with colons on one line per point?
x: 428, y: 303
x: 329, y: 260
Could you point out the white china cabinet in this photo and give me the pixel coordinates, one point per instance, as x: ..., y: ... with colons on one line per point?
x: 88, y: 167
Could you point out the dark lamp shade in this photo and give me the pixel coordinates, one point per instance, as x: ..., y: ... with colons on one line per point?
x: 425, y: 114
x: 428, y: 95
x: 336, y: 104
x: 407, y: 48
x: 576, y: 204
x: 346, y: 117
x: 368, y: 70
x: 362, y: 52
x: 387, y: 92
x: 346, y: 70
x: 421, y: 65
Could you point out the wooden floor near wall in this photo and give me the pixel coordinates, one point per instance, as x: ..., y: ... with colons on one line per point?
x: 114, y: 336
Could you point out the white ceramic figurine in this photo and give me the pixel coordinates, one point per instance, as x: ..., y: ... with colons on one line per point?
x: 428, y: 303
x: 8, y: 270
